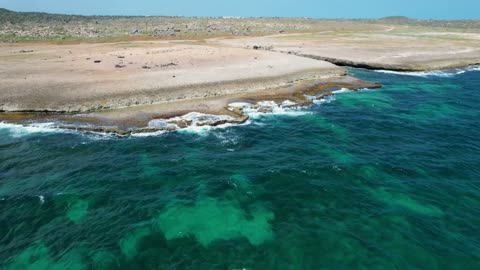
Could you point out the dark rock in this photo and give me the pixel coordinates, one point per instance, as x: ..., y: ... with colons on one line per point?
x: 97, y: 61
x: 268, y: 48
x: 120, y: 66
x: 183, y: 123
x: 168, y: 65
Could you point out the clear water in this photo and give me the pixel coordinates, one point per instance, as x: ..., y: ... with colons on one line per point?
x: 381, y: 179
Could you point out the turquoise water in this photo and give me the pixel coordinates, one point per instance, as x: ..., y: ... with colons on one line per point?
x: 380, y: 179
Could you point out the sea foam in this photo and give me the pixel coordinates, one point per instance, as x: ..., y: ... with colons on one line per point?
x: 21, y: 130
x: 447, y: 73
x: 193, y: 122
x: 18, y: 130
x: 268, y: 107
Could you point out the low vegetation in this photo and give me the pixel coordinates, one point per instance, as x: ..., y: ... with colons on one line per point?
x: 35, y: 26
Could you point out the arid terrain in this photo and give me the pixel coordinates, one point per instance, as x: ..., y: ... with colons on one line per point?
x: 98, y: 65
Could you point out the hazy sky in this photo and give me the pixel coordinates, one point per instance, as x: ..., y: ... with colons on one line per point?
x: 432, y: 9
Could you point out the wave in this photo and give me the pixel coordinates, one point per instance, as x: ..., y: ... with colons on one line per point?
x: 194, y: 122
x: 41, y: 198
x: 18, y: 130
x: 148, y: 134
x: 268, y: 108
x: 21, y: 130
x: 343, y: 90
x: 204, y: 130
x: 447, y: 73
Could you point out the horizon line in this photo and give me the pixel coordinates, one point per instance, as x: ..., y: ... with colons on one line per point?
x: 242, y: 17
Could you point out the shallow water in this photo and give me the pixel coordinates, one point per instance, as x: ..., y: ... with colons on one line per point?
x: 375, y: 179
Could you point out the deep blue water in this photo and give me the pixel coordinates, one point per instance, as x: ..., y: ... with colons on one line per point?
x: 375, y: 179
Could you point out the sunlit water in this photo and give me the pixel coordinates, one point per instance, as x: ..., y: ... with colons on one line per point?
x: 379, y: 179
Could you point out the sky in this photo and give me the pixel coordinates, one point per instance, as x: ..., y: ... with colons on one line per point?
x: 421, y: 9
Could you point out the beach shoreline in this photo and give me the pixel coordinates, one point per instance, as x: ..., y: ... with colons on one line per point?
x: 137, y: 119
x: 124, y: 84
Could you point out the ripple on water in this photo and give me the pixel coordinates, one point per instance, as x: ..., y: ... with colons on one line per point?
x: 346, y: 186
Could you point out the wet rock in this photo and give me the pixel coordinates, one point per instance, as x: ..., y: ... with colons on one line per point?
x: 214, y: 123
x: 181, y: 123
x: 265, y: 110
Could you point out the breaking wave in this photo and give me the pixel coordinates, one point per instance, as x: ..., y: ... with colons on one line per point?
x: 266, y: 108
x: 18, y: 130
x: 447, y: 73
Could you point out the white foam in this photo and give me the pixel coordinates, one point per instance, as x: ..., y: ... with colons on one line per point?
x: 288, y: 103
x: 324, y: 100
x: 227, y: 137
x: 240, y: 105
x: 269, y: 107
x: 99, y: 136
x: 200, y: 119
x: 148, y: 134
x: 160, y: 123
x: 18, y: 130
x: 194, y: 119
x: 343, y: 90
x: 42, y: 199
x: 198, y: 123
x: 435, y: 73
x: 204, y: 130
x: 327, y: 99
x: 474, y: 68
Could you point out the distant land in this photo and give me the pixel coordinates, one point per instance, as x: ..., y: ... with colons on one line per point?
x: 33, y: 26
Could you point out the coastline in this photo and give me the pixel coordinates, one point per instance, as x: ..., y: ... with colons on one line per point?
x: 212, y: 111
x: 396, y: 48
x: 85, y: 78
x: 119, y: 87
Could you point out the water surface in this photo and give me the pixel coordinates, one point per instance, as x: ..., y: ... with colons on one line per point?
x: 379, y: 179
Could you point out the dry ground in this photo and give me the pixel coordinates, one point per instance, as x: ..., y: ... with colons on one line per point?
x: 64, y: 63
x: 394, y: 47
x: 87, y: 77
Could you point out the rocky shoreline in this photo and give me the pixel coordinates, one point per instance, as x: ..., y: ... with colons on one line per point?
x: 230, y: 110
x: 171, y: 73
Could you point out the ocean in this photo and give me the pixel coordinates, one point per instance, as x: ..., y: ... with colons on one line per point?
x: 374, y: 179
